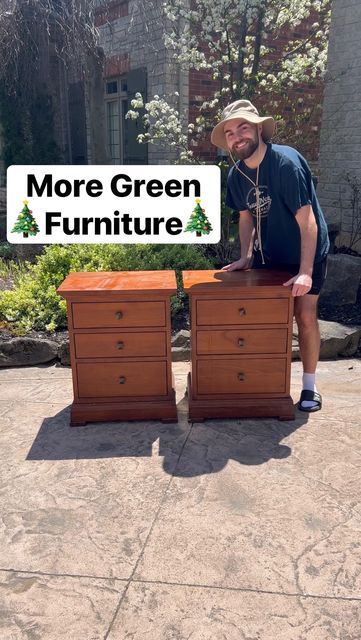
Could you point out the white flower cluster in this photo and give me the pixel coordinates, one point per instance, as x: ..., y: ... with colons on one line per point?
x: 232, y: 39
x: 163, y: 125
x: 208, y: 37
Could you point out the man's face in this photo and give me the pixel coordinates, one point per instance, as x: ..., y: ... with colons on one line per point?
x: 242, y: 138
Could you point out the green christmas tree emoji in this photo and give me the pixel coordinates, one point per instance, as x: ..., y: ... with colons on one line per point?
x: 26, y: 223
x: 198, y: 221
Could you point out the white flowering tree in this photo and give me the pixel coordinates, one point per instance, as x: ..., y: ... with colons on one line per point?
x: 250, y: 49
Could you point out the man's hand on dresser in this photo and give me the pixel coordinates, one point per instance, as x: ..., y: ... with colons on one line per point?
x: 302, y: 283
x: 242, y: 263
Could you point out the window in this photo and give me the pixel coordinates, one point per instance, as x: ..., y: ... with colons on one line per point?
x: 122, y: 134
x: 116, y: 106
x: 112, y: 87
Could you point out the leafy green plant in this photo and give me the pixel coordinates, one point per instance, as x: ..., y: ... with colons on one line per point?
x: 28, y: 128
x: 12, y: 269
x: 33, y: 304
x: 7, y: 251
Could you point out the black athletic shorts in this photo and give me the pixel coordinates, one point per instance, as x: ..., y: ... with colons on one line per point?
x: 318, y: 274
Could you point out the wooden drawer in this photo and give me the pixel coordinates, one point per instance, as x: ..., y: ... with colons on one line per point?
x: 120, y: 344
x: 243, y: 375
x: 90, y: 315
x: 242, y: 311
x: 229, y: 341
x: 118, y: 379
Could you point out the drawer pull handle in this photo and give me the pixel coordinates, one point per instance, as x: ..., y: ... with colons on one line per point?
x: 241, y: 342
x: 241, y: 376
x: 120, y: 345
x: 119, y: 315
x: 242, y: 311
x: 122, y: 380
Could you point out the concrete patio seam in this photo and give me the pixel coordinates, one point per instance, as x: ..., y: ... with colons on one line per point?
x: 246, y: 590
x: 184, y: 584
x: 162, y: 500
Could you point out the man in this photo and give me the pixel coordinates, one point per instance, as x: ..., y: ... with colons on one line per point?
x: 281, y: 225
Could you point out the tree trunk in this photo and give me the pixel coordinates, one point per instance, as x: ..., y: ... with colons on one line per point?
x: 240, y: 60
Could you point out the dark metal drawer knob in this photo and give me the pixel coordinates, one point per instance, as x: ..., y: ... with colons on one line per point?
x: 242, y: 311
x: 119, y: 315
x: 122, y: 380
x: 241, y: 342
x: 120, y: 345
x: 241, y: 376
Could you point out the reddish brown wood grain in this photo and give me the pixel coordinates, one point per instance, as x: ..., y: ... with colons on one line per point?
x: 241, y: 341
x: 119, y: 330
x: 222, y: 281
x: 120, y: 344
x: 90, y: 315
x: 241, y: 322
x: 135, y: 282
x: 242, y: 311
x: 241, y: 375
x: 120, y: 379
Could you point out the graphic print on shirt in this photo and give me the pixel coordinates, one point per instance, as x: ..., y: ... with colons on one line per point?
x: 264, y: 200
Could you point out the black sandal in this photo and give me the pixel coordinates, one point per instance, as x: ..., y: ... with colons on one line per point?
x: 310, y: 396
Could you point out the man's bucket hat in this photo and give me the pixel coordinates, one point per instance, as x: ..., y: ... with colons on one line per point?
x: 245, y: 110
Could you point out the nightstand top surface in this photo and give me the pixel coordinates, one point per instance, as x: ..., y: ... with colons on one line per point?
x: 136, y: 282
x: 210, y: 280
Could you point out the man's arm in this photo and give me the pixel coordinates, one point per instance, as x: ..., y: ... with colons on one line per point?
x: 246, y: 237
x: 302, y: 282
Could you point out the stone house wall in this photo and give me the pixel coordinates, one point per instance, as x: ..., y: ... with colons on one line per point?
x: 340, y: 149
x: 131, y: 36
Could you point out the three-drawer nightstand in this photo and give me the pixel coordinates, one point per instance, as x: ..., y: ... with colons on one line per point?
x: 120, y: 345
x: 241, y: 331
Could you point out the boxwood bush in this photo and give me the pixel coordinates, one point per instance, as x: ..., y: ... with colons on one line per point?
x: 33, y: 304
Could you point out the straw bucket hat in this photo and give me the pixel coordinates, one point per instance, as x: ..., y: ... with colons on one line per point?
x: 245, y: 110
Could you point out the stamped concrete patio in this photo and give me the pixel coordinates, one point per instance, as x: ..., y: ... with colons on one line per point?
x: 226, y: 530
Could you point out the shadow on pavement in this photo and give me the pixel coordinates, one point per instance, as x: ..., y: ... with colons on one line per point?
x: 209, y: 446
x: 250, y: 442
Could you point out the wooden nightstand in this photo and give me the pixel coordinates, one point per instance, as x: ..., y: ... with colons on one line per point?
x: 120, y: 345
x: 241, y: 326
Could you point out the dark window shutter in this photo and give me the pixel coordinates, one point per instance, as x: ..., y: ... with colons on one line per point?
x: 77, y: 123
x: 135, y: 153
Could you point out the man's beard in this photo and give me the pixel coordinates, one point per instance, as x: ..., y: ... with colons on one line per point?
x: 247, y: 151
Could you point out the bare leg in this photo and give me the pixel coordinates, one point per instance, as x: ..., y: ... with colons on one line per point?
x: 308, y: 331
x: 309, y: 342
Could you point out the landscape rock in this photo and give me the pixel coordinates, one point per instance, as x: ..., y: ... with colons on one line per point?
x: 336, y: 340
x: 64, y: 353
x: 343, y: 279
x: 182, y: 338
x: 181, y: 354
x: 19, y: 352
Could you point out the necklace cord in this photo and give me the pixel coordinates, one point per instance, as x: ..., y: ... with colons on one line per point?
x: 258, y: 204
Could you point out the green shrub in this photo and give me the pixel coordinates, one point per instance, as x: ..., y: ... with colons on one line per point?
x: 12, y: 270
x: 34, y: 303
x: 6, y: 251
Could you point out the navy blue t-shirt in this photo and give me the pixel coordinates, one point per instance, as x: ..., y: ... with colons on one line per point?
x: 285, y: 185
